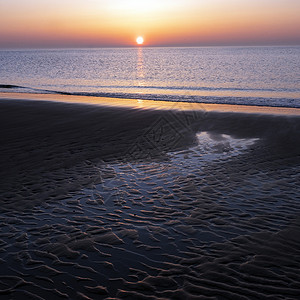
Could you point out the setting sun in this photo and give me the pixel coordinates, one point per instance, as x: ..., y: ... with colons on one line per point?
x: 140, y: 40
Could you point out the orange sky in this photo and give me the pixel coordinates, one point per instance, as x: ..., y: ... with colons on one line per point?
x: 83, y: 23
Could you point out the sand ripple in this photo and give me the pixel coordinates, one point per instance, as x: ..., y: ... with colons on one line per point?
x: 220, y: 220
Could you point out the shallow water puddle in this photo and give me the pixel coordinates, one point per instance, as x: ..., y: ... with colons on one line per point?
x: 218, y: 146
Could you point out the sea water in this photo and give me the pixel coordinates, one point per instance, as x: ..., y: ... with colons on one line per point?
x: 268, y: 76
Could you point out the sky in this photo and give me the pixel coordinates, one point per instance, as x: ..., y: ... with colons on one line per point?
x: 110, y: 23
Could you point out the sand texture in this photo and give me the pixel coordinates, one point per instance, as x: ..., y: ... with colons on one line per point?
x: 121, y: 203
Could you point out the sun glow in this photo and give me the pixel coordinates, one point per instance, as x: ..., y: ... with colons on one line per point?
x: 140, y: 40
x: 142, y: 6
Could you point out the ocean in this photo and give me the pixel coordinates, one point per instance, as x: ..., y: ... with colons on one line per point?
x: 260, y: 76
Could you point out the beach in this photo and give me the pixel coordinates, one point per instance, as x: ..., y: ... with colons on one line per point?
x: 139, y: 200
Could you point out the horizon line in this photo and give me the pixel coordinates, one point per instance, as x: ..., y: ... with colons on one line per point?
x: 58, y: 47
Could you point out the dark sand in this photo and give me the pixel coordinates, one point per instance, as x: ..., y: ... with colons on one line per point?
x: 102, y: 202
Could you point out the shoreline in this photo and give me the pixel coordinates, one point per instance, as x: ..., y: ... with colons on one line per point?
x: 151, y: 104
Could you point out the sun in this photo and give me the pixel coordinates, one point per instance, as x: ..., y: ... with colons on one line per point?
x: 140, y: 40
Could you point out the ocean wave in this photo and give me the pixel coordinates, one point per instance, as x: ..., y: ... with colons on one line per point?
x: 192, y: 88
x: 230, y: 100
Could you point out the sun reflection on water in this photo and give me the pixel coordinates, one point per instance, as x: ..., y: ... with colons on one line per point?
x: 140, y: 67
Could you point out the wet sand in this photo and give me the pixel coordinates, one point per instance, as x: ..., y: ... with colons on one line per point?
x: 143, y: 202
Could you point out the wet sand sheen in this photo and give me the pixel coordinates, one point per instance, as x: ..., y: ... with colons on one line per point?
x: 149, y: 104
x: 102, y: 202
